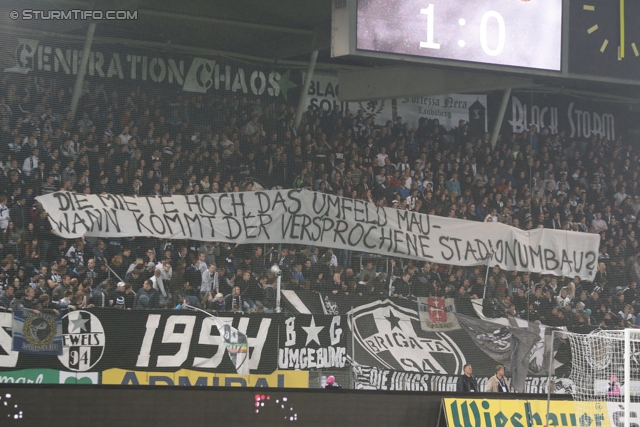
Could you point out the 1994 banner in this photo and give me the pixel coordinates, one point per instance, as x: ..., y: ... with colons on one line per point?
x: 304, y: 217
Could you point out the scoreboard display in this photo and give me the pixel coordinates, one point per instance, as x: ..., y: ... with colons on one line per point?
x: 517, y: 33
x: 581, y: 39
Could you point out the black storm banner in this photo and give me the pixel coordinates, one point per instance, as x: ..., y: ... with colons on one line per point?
x: 579, y: 118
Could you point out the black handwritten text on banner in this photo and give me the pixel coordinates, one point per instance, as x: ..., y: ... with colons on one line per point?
x: 304, y: 217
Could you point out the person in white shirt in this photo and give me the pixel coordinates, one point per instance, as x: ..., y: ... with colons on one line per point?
x: 4, y: 213
x: 225, y: 142
x: 621, y: 195
x: 599, y: 224
x: 411, y: 200
x: 202, y: 266
x: 381, y: 156
x: 124, y: 136
x: 166, y: 269
x: 429, y: 180
x: 65, y: 302
x: 31, y: 163
x: 627, y: 313
x: 210, y: 281
x: 158, y: 284
x: 564, y: 298
x: 252, y: 127
x: 408, y: 179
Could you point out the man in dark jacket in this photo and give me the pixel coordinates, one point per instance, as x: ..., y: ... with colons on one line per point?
x: 135, y: 277
x: 7, y: 297
x: 467, y: 382
x: 193, y: 276
x: 18, y: 214
x: 29, y: 300
x: 402, y: 286
x: 44, y: 233
x: 100, y: 295
x: 147, y: 298
x: 129, y: 296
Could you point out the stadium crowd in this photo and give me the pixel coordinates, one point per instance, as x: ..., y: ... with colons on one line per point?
x: 138, y: 142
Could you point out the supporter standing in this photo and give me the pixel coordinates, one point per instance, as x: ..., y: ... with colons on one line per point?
x: 498, y: 383
x: 147, y: 297
x: 331, y: 384
x: 467, y: 382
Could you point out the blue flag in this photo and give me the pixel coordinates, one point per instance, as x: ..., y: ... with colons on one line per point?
x: 37, y: 333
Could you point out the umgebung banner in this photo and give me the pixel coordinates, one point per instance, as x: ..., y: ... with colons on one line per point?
x: 310, y: 218
x: 310, y: 342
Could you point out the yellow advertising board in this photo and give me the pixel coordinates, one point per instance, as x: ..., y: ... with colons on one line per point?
x: 185, y: 377
x: 524, y: 413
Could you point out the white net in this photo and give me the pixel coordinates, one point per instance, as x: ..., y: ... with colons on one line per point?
x: 597, y: 368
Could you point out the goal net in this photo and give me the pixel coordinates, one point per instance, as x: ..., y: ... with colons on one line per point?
x: 598, y: 369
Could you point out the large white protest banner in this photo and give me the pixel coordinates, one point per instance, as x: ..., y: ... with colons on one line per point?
x: 305, y: 217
